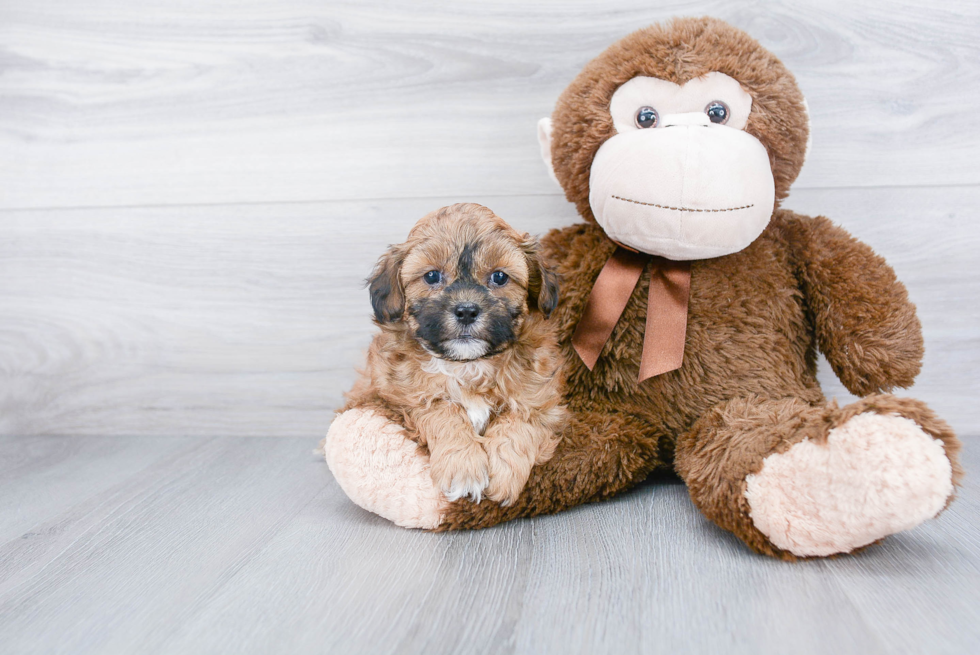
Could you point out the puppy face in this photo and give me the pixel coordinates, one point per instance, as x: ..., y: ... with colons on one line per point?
x: 464, y: 282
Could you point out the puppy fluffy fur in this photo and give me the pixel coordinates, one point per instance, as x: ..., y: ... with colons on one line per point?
x: 469, y: 365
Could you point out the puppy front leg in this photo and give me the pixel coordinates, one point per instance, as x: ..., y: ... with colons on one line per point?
x: 513, y: 446
x: 458, y: 462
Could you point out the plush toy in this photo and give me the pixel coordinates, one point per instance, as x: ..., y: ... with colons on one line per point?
x: 692, y: 309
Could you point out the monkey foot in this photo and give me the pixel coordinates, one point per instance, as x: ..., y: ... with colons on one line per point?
x: 875, y: 475
x: 382, y: 471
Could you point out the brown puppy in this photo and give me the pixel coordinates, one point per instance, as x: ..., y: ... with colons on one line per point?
x: 466, y: 360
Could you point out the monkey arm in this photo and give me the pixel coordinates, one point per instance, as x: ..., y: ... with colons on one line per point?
x: 861, y: 314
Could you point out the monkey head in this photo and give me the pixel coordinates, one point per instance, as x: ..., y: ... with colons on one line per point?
x: 679, y: 139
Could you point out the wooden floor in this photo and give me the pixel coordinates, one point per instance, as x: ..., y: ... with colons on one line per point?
x: 247, y: 545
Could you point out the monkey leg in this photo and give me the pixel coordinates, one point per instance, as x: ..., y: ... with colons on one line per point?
x: 379, y: 469
x: 796, y: 480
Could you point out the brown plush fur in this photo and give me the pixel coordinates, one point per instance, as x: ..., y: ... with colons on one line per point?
x: 751, y: 341
x: 519, y: 384
x: 748, y: 385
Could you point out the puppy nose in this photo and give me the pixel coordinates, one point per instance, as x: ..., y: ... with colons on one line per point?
x: 467, y: 312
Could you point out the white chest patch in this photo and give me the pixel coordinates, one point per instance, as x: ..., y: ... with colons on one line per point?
x: 461, y: 377
x: 479, y: 412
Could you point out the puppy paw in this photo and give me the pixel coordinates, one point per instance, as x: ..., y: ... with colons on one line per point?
x: 509, y: 471
x: 461, y: 472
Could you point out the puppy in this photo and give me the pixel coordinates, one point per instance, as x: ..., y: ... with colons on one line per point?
x: 466, y: 359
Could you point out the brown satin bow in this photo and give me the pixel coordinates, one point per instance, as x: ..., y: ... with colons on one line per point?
x: 666, y: 324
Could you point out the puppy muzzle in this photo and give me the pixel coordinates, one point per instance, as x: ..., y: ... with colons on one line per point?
x: 465, y: 322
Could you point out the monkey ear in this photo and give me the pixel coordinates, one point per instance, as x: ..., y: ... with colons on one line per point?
x: 543, y: 283
x: 385, y: 286
x: 544, y: 140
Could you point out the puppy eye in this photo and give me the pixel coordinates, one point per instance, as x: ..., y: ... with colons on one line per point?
x: 499, y: 278
x: 432, y: 278
x: 646, y: 117
x: 718, y: 112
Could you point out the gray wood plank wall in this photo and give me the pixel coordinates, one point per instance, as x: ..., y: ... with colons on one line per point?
x: 191, y: 194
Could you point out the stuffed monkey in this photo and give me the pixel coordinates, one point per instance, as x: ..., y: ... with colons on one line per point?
x: 691, y: 313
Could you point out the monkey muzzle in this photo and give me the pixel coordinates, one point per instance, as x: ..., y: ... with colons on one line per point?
x: 688, y: 189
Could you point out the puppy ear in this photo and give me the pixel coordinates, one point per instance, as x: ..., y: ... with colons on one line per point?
x: 385, y: 286
x: 548, y: 294
x: 542, y: 287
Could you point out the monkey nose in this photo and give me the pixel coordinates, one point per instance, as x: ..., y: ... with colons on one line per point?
x: 689, y: 118
x: 466, y: 312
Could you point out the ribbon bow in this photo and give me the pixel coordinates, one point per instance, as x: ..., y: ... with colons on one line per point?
x: 666, y: 324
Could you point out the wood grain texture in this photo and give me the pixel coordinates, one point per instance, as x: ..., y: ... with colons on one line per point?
x: 163, y: 542
x: 249, y: 546
x: 250, y: 319
x: 41, y: 477
x: 115, y: 103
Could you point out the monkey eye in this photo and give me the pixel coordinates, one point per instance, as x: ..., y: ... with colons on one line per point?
x: 499, y: 278
x: 718, y: 112
x: 646, y: 117
x: 432, y: 278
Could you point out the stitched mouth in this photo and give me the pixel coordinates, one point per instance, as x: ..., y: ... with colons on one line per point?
x: 681, y: 209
